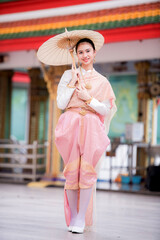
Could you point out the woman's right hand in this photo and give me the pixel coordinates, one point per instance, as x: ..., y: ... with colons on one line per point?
x: 75, y: 76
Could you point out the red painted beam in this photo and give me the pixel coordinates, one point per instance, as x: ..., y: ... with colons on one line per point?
x: 22, y: 43
x: 30, y: 5
x: 149, y: 31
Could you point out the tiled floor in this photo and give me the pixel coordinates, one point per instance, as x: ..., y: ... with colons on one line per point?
x: 37, y: 214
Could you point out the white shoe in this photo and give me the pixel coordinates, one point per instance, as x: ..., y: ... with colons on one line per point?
x: 77, y: 229
x: 70, y: 228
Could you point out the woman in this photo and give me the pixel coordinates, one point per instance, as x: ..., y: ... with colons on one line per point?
x: 80, y: 134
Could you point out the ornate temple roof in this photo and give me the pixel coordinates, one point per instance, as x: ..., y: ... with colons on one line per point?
x: 27, y: 27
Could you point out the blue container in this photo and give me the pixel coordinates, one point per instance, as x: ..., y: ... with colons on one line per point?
x: 136, y: 179
x: 125, y: 179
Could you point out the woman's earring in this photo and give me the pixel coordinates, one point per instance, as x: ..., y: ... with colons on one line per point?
x: 94, y: 60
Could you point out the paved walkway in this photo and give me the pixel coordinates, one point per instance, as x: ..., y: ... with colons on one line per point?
x: 37, y: 214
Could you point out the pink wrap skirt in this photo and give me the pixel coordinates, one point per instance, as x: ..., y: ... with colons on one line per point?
x: 81, y: 140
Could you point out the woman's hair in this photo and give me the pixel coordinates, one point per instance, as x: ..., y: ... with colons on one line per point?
x: 85, y: 40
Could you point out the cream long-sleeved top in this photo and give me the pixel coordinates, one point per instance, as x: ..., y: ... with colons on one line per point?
x: 64, y: 94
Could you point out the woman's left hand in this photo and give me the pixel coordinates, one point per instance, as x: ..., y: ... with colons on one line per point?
x: 83, y: 93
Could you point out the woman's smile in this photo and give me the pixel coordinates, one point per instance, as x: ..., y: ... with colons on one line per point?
x: 85, y: 59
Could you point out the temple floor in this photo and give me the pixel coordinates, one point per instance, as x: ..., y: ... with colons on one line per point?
x: 37, y: 214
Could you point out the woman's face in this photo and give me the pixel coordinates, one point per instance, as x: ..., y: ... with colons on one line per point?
x: 85, y: 54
